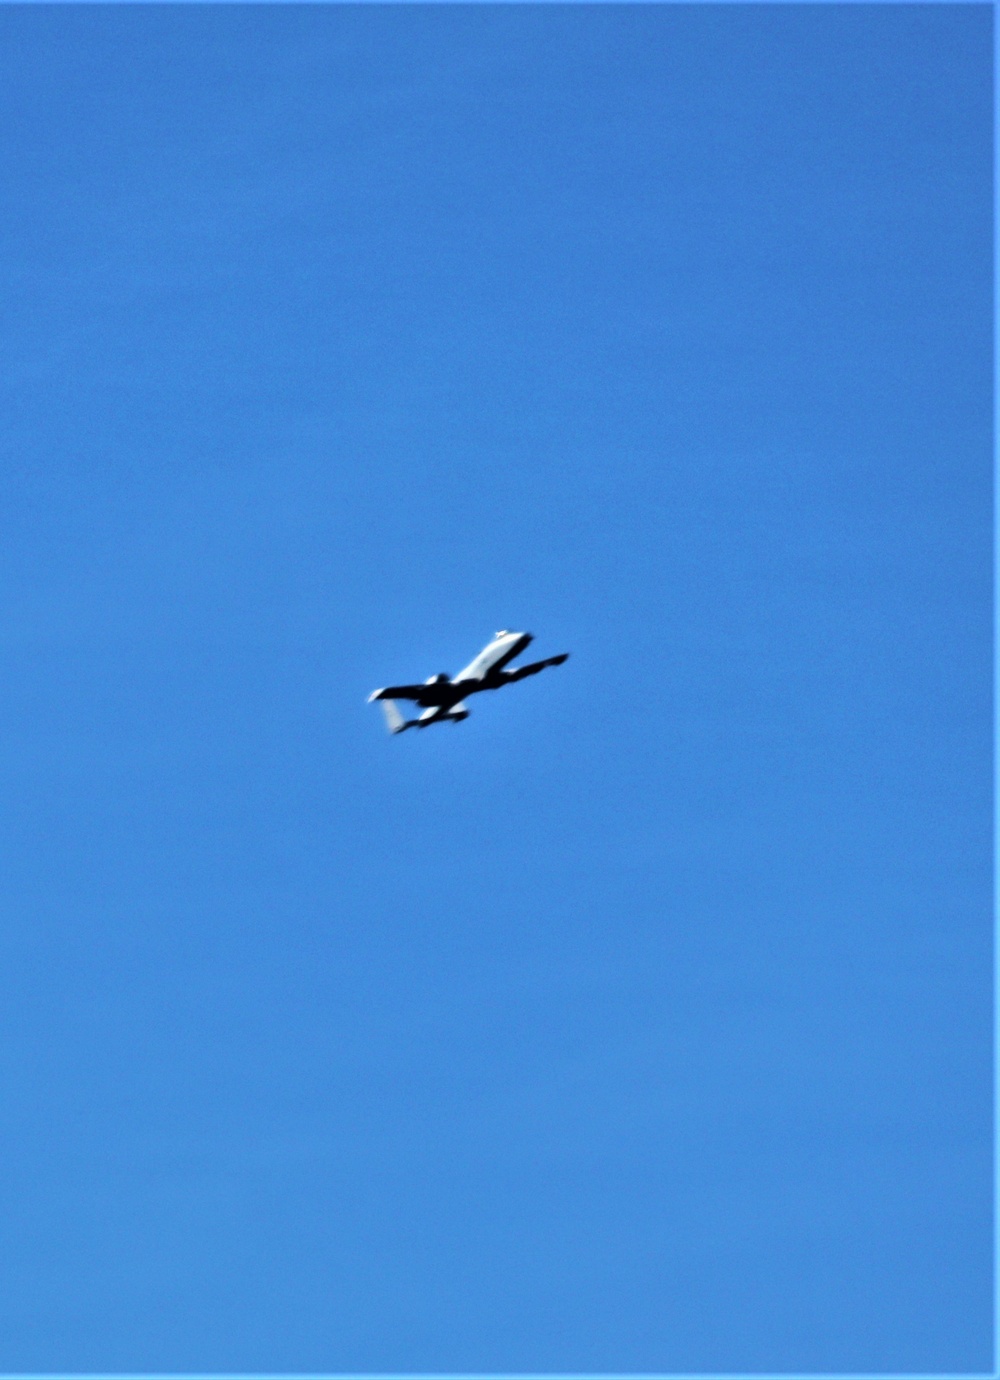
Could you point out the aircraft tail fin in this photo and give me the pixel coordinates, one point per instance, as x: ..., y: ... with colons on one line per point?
x: 394, y: 721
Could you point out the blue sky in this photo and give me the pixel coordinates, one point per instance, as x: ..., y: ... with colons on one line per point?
x: 641, y: 1022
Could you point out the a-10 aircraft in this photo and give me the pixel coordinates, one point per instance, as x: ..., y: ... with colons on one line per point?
x: 441, y: 697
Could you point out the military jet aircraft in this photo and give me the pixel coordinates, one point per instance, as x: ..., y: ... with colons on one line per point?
x: 441, y: 697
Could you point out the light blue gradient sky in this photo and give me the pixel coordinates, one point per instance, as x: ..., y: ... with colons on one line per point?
x: 642, y: 1022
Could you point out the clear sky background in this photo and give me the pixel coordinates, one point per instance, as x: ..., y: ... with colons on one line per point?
x: 641, y: 1022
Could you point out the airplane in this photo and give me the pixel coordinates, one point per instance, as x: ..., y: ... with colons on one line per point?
x: 441, y: 697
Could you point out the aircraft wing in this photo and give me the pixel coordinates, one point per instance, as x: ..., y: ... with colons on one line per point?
x: 533, y: 667
x: 398, y: 692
